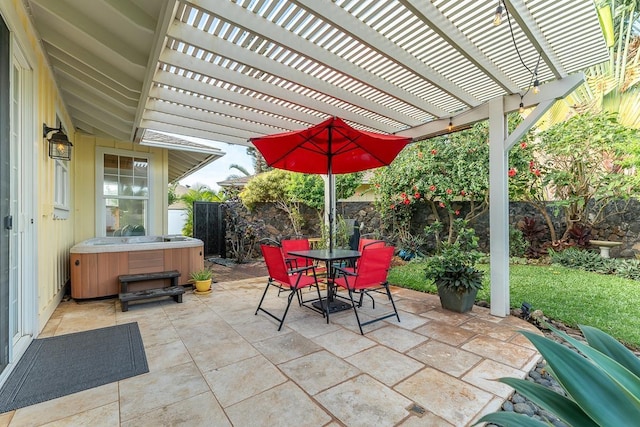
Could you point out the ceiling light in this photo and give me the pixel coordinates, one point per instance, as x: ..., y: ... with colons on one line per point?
x: 536, y: 86
x: 521, y: 109
x: 497, y: 19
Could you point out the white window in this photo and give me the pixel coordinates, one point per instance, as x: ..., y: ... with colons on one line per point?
x: 123, y: 193
x: 61, y: 191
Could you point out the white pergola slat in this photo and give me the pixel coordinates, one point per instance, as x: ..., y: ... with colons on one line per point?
x: 383, y: 65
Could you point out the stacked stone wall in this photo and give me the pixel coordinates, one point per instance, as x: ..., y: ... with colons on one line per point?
x: 620, y: 227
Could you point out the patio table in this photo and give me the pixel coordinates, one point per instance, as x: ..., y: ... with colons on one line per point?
x: 329, y: 304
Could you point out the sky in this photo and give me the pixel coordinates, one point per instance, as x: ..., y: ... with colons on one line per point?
x: 219, y: 169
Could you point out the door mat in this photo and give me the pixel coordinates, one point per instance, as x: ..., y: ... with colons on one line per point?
x: 58, y: 366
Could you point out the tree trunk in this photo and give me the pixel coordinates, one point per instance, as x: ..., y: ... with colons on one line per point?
x: 547, y: 218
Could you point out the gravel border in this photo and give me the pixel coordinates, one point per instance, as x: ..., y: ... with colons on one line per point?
x: 539, y: 374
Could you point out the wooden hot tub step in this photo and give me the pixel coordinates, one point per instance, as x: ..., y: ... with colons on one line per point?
x: 174, y: 290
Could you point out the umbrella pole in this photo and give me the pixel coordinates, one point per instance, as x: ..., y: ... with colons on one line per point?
x: 331, y: 209
x: 331, y: 188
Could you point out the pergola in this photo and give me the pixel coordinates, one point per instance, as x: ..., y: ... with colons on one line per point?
x: 229, y: 70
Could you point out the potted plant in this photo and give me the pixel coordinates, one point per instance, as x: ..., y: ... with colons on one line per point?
x: 453, y: 270
x: 202, y: 280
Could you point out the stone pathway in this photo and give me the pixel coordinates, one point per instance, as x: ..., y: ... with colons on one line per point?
x: 212, y: 361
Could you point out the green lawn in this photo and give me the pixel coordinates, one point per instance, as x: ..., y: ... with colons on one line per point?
x: 567, y: 295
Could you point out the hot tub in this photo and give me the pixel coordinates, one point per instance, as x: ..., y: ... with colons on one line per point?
x: 96, y: 263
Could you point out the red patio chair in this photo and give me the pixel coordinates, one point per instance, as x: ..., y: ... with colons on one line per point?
x: 296, y: 245
x: 294, y: 262
x: 370, y: 243
x: 292, y: 280
x: 364, y: 244
x: 369, y: 276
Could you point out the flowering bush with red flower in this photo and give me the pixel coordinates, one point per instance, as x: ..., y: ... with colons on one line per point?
x: 456, y: 172
x: 578, y: 166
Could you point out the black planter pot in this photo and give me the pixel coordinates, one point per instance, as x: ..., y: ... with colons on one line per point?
x: 460, y: 303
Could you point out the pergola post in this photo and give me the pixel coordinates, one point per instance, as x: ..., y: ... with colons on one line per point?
x: 329, y: 207
x: 499, y: 145
x: 498, y: 209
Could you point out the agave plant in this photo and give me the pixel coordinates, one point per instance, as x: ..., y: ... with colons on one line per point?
x: 601, y: 379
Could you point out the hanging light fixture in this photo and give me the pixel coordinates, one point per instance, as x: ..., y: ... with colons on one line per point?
x: 497, y: 18
x: 59, y: 145
x: 450, y: 127
x: 535, y: 87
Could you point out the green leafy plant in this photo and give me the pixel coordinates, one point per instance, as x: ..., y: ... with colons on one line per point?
x: 453, y: 265
x: 172, y: 197
x: 592, y: 261
x: 410, y: 245
x: 341, y: 235
x: 602, y: 382
x: 584, y: 165
x: 200, y: 275
x: 627, y: 268
x: 518, y: 245
x: 581, y: 259
x: 459, y: 278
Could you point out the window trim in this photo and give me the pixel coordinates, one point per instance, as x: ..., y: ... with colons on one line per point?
x: 61, y: 190
x: 61, y: 182
x: 99, y: 201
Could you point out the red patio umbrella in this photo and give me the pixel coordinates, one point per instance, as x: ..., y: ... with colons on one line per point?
x: 330, y: 147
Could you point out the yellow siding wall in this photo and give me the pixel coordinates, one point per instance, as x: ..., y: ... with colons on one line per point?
x: 56, y: 236
x: 85, y: 183
x: 53, y: 256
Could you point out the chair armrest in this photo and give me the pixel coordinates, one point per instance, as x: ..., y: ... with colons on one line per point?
x: 344, y: 272
x: 291, y: 263
x: 302, y: 269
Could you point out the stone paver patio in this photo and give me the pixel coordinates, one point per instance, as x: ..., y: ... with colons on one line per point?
x: 212, y: 362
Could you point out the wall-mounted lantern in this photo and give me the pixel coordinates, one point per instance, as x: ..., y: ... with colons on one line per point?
x: 59, y: 145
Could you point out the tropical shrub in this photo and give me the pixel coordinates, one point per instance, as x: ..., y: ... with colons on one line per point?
x: 518, y: 245
x: 533, y: 232
x: 581, y: 259
x: 592, y: 261
x: 172, y: 197
x: 580, y: 235
x: 453, y: 264
x: 288, y: 190
x: 242, y: 235
x: 581, y: 165
x: 273, y: 186
x: 309, y: 189
x: 435, y: 173
x: 441, y: 173
x: 341, y: 235
x: 410, y: 245
x: 601, y: 380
